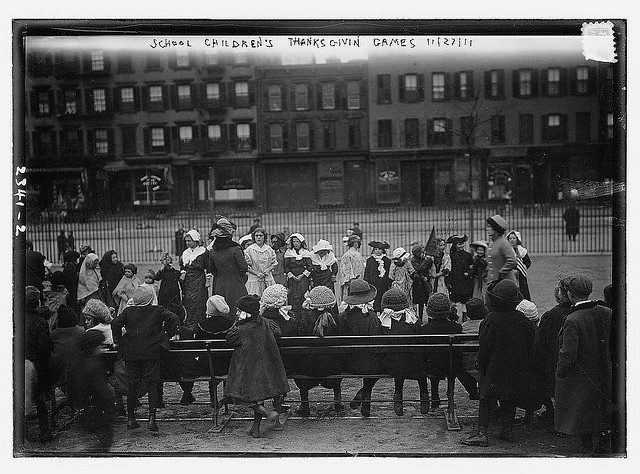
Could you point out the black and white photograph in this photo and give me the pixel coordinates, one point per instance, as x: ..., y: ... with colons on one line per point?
x: 319, y: 238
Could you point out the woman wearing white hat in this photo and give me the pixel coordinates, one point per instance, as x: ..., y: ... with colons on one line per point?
x: 401, y: 272
x: 297, y: 268
x: 193, y: 263
x: 324, y: 265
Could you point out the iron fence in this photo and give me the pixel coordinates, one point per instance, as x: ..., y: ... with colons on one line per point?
x: 142, y: 237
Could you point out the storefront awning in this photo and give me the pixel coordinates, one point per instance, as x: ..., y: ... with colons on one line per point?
x: 122, y: 166
x: 77, y: 169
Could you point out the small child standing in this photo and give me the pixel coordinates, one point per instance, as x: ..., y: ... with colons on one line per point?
x: 55, y: 296
x: 256, y: 371
x: 149, y: 282
x: 169, y: 294
x: 479, y: 269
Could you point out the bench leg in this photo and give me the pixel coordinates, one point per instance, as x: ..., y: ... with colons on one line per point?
x: 453, y: 424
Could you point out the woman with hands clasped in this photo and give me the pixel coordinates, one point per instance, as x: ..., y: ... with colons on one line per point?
x: 261, y: 260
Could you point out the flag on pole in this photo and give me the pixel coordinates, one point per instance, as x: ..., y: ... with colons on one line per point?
x: 431, y: 247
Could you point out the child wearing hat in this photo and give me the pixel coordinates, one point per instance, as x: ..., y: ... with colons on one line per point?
x: 149, y: 282
x: 317, y: 319
x: 439, y: 309
x: 324, y: 265
x: 256, y: 371
x: 297, y: 269
x: 55, y: 296
x: 421, y: 287
x: 479, y: 270
x: 376, y: 271
x: 442, y: 267
x: 359, y: 319
x: 460, y: 280
x: 398, y: 317
x: 169, y: 293
x: 401, y: 272
x: 351, y: 264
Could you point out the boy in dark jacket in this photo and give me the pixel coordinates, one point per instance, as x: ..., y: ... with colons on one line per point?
x: 141, y: 348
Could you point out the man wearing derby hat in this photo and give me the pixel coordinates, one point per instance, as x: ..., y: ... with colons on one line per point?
x: 359, y: 319
x: 376, y: 271
x: 505, y: 348
x: 502, y: 257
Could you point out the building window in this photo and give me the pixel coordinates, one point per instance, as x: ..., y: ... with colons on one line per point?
x: 438, y: 86
x: 525, y: 122
x: 129, y: 141
x: 127, y: 99
x: 184, y: 96
x: 212, y: 92
x: 275, y: 98
x: 233, y: 182
x: 353, y: 95
x: 354, y: 134
x: 214, y: 135
x: 242, y: 94
x: 182, y: 59
x: 302, y: 97
x: 155, y: 98
x: 157, y: 139
x: 211, y: 59
x: 97, y: 60
x: 609, y: 126
x: 583, y: 127
x: 438, y: 132
x: 153, y: 62
x: 101, y: 142
x: 240, y: 58
x: 494, y: 84
x: 328, y: 95
x: 71, y: 142
x: 243, y: 136
x: 582, y: 80
x: 43, y: 143
x: 125, y: 62
x: 44, y: 107
x: 302, y: 136
x: 384, y: 89
x: 384, y: 134
x: 70, y: 102
x: 411, y: 132
x: 388, y: 182
x: 329, y: 135
x: 467, y: 131
x: 185, y: 134
x: 275, y: 137
x: 498, y: 129
x: 553, y: 81
x: 524, y: 83
x: 411, y: 87
x: 99, y: 100
x: 464, y: 85
x: 554, y: 127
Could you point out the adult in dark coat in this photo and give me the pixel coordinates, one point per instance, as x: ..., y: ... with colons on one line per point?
x: 505, y: 345
x: 421, y: 286
x: 256, y: 371
x: 317, y: 319
x: 297, y: 269
x: 141, y: 348
x: 194, y: 262
x: 398, y: 317
x: 71, y: 241
x: 169, y: 293
x: 459, y: 281
x: 502, y: 258
x: 376, y: 271
x: 439, y: 311
x: 227, y: 263
x: 111, y: 270
x: 61, y: 240
x: 359, y: 319
x: 279, y: 247
x: 571, y: 218
x: 549, y: 328
x: 583, y: 373
x: 63, y: 345
x: 70, y: 276
x: 35, y: 272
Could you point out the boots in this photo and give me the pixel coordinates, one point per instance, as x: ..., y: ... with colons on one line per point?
x: 397, y: 403
x: 435, y: 396
x: 303, y: 409
x: 357, y: 400
x: 132, y: 424
x: 337, y: 399
x: 365, y: 408
x: 478, y: 439
x: 279, y: 406
x: 424, y: 402
x: 152, y: 420
x: 160, y: 395
x: 187, y: 398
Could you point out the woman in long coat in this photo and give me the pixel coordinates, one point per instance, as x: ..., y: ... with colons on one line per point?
x: 111, y: 269
x: 297, y: 269
x: 502, y: 258
x: 401, y: 272
x: 88, y: 281
x: 193, y: 264
x: 261, y: 259
x: 376, y: 271
x: 460, y: 279
x: 227, y: 263
x: 523, y: 262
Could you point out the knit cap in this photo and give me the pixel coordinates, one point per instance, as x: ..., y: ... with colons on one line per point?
x: 32, y: 297
x: 150, y: 274
x: 274, y: 296
x: 321, y: 297
x: 142, y: 296
x: 67, y: 317
x: 249, y: 304
x: 98, y: 310
x: 438, y: 306
x: 530, y: 310
x: 395, y: 299
x: 476, y: 309
x: 216, y: 305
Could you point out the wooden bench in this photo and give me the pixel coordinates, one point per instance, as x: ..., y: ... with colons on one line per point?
x: 335, y: 345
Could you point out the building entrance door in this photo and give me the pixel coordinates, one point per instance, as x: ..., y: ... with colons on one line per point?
x: 426, y: 187
x: 354, y: 183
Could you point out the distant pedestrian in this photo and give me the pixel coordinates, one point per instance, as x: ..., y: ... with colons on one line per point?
x: 356, y: 230
x: 523, y: 262
x: 85, y: 250
x: 376, y: 271
x: 71, y: 241
x: 61, y: 240
x: 255, y: 225
x: 502, y: 258
x: 179, y: 244
x: 571, y: 218
x: 479, y: 269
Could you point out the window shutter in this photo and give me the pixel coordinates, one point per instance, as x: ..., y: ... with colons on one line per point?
x: 294, y: 137
x: 173, y: 63
x: 252, y: 93
x: 564, y: 126
x: 292, y: 96
x: 59, y: 102
x: 312, y: 141
x: 51, y: 100
x: 534, y: 82
x: 592, y: 80
x: 401, y: 87
x: 146, y: 136
x: 80, y: 141
x: 116, y: 98
x: 223, y: 93
x: 572, y: 80
x: 89, y: 101
x: 91, y: 142
x: 136, y: 99
x: 224, y: 135
x: 202, y: 144
x: 265, y: 97
x: 283, y: 97
x: 167, y: 139
x: 111, y: 142
x: 341, y: 95
x: 285, y: 137
x: 516, y: 82
x: 108, y: 99
x: 232, y: 136
x: 447, y: 86
x: 266, y: 144
x: 107, y: 62
x: 470, y: 86
x: 310, y: 101
x: 363, y: 94
x: 421, y: 87
x: 564, y: 86
x: 144, y: 97
x: 34, y: 103
x: 319, y: 96
x: 252, y: 135
x: 231, y: 89
x: 544, y: 83
x: 487, y: 84
x: 402, y: 132
x: 173, y: 94
x: 165, y: 98
x: 194, y: 96
x: 393, y: 130
x: 430, y: 132
x: 456, y: 85
x: 544, y: 122
x: 86, y: 62
x: 449, y: 126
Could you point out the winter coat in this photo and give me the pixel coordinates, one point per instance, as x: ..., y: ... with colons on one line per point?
x: 504, y: 353
x: 34, y: 269
x: 229, y: 267
x: 549, y: 328
x: 437, y: 363
x: 407, y: 365
x: 353, y: 322
x: 124, y: 290
x: 214, y: 328
x: 324, y: 276
x: 402, y: 277
x: 278, y: 271
x: 63, y: 343
x: 111, y: 272
x: 70, y: 279
x: 501, y: 260
x: 318, y: 364
x: 351, y: 266
x: 144, y: 326
x: 297, y: 264
x: 479, y: 273
x: 457, y: 282
x: 372, y: 275
x: 421, y: 287
x: 583, y: 374
x: 259, y: 259
x: 37, y: 346
x: 169, y: 293
x: 256, y: 371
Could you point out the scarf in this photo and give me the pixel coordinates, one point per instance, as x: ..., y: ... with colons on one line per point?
x: 381, y: 269
x: 388, y: 314
x: 324, y: 324
x: 324, y: 262
x: 88, y: 278
x: 189, y: 255
x: 223, y: 228
x: 364, y: 307
x: 303, y: 253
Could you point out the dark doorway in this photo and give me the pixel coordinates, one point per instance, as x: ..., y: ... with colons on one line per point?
x: 355, y: 184
x: 426, y: 187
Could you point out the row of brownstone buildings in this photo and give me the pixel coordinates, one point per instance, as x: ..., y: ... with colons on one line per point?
x: 178, y: 129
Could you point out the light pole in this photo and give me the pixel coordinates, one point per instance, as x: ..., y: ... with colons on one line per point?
x: 470, y: 185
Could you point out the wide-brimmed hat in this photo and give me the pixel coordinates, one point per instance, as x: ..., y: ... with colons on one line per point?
x: 321, y: 297
x: 360, y: 292
x: 399, y: 253
x: 249, y: 304
x: 379, y: 245
x: 439, y: 306
x: 244, y: 239
x: 479, y: 243
x: 395, y: 299
x: 505, y: 291
x: 321, y: 245
x: 71, y: 256
x: 457, y: 239
x: 497, y: 222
